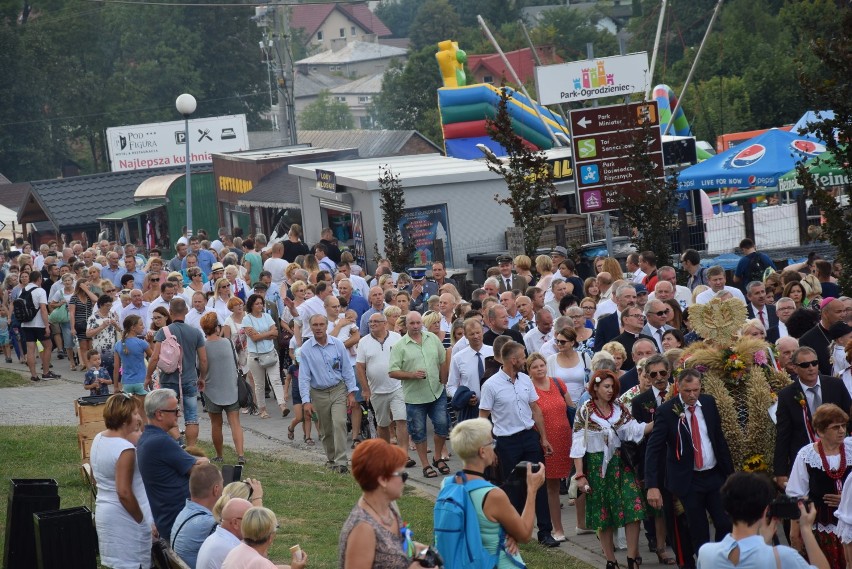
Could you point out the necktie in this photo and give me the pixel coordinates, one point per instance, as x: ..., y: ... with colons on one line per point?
x: 508, y: 284
x: 760, y: 315
x: 480, y: 366
x: 817, y: 398
x: 660, y: 340
x: 696, y: 438
x: 662, y: 396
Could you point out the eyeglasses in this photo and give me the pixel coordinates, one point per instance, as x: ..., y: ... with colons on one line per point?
x: 639, y: 316
x: 655, y: 374
x: 224, y: 286
x: 492, y: 444
x: 806, y: 365
x: 662, y: 312
x: 176, y: 411
x: 153, y: 280
x: 377, y: 322
x: 588, y: 308
x: 403, y: 475
x: 562, y: 342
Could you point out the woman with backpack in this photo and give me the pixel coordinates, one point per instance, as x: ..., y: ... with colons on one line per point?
x: 498, y: 520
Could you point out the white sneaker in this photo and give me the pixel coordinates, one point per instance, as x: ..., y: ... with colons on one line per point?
x: 621, y: 540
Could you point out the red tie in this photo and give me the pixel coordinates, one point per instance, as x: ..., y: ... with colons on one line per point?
x: 696, y: 438
x: 760, y: 315
x: 663, y: 396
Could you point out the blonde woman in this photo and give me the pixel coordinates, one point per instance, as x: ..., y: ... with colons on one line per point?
x: 612, y: 267
x: 523, y: 264
x: 618, y: 353
x: 222, y: 293
x: 544, y: 267
x: 392, y: 313
x: 259, y: 527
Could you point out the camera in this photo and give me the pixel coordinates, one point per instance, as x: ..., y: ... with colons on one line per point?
x: 785, y: 508
x: 520, y: 470
x: 429, y: 557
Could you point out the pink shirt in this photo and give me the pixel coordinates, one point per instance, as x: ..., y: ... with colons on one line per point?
x: 245, y: 557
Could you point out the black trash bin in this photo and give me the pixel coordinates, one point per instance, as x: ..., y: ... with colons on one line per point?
x: 481, y: 262
x: 26, y: 497
x: 65, y: 538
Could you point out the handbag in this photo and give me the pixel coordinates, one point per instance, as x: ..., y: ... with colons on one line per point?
x: 245, y: 394
x: 571, y: 412
x: 59, y: 315
x: 267, y: 359
x: 630, y: 453
x: 164, y: 557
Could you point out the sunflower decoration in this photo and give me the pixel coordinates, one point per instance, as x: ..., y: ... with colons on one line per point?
x: 718, y: 321
x: 755, y: 463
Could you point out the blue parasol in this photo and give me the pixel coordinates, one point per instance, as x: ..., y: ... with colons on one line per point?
x: 757, y: 162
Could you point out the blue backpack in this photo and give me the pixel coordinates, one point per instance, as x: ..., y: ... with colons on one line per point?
x: 457, y: 535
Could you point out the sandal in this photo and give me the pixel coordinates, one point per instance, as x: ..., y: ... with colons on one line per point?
x: 244, y: 410
x: 264, y: 414
x: 665, y: 560
x: 291, y: 434
x: 442, y: 469
x: 356, y: 441
x: 429, y: 472
x: 411, y: 462
x: 309, y: 441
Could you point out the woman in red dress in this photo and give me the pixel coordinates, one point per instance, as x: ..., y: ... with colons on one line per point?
x: 553, y: 400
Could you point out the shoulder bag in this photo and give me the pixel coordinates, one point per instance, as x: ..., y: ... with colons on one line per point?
x: 245, y: 394
x: 629, y: 450
x: 266, y: 359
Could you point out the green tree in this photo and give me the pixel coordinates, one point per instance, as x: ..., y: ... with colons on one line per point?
x: 569, y: 30
x: 527, y: 176
x: 436, y: 21
x: 398, y: 250
x: 398, y: 15
x: 326, y: 114
x: 723, y: 105
x: 409, y: 100
x: 649, y: 205
x: 829, y: 88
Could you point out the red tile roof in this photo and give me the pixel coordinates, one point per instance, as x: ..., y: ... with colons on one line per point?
x: 521, y: 60
x: 310, y: 17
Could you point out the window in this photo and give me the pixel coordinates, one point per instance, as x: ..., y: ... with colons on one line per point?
x: 319, y: 35
x: 340, y: 98
x: 343, y: 32
x: 488, y: 79
x: 353, y: 31
x: 333, y: 68
x: 364, y: 98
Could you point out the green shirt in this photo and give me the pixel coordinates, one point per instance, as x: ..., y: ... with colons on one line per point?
x: 408, y: 355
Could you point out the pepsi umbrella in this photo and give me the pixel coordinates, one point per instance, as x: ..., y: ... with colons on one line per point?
x: 758, y: 162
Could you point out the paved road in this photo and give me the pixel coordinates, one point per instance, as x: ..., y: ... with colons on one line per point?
x: 52, y: 403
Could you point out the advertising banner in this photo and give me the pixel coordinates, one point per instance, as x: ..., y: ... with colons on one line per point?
x: 422, y: 226
x: 592, y: 79
x: 157, y: 145
x: 358, y: 239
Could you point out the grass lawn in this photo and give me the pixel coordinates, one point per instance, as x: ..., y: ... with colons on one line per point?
x: 311, y: 503
x: 12, y: 379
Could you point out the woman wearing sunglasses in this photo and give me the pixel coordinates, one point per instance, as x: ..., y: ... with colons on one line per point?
x: 372, y: 535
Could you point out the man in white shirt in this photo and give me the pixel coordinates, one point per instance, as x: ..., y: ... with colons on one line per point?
x: 138, y: 307
x: 383, y: 392
x: 467, y: 366
x: 227, y: 536
x: 358, y: 282
x: 525, y: 309
x: 38, y: 329
x: 324, y: 261
x: 680, y: 293
x: 312, y: 306
x: 446, y: 307
x: 276, y: 265
x: 632, y: 264
x: 558, y: 291
x: 507, y: 299
x: 610, y: 305
x: 199, y: 309
x: 716, y: 278
x: 168, y: 289
x: 542, y: 333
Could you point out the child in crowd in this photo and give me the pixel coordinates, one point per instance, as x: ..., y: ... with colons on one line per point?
x: 130, y: 353
x: 97, y: 377
x: 5, y: 330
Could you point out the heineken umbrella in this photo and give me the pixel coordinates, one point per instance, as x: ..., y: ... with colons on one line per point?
x: 825, y: 170
x: 758, y: 162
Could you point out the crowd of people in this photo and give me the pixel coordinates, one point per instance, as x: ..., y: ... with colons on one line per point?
x: 577, y: 376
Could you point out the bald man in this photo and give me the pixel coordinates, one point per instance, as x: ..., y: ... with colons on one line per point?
x: 227, y: 536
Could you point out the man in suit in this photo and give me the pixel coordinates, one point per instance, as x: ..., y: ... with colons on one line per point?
x: 609, y: 326
x: 508, y: 280
x: 631, y: 322
x: 796, y: 405
x: 784, y: 307
x: 657, y: 314
x: 642, y: 348
x: 757, y: 307
x: 658, y: 370
x: 688, y: 429
x: 831, y: 310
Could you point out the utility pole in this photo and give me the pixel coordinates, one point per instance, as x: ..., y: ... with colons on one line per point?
x: 284, y: 77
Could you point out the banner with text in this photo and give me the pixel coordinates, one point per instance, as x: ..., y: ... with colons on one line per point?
x: 592, y: 78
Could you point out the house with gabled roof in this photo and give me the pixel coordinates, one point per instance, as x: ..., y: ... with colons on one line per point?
x: 323, y: 25
x: 490, y: 68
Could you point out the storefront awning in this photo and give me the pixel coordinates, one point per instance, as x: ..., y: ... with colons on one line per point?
x: 155, y: 186
x: 133, y: 211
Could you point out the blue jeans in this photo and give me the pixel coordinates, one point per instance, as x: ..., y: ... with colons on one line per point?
x: 189, y: 400
x: 437, y: 412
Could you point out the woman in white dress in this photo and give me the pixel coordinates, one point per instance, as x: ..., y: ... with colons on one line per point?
x: 567, y: 364
x: 122, y: 515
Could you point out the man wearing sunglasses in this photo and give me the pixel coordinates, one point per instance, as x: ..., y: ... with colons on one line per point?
x: 796, y: 405
x: 657, y: 313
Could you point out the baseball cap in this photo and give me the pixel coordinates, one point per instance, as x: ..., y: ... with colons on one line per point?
x: 640, y: 289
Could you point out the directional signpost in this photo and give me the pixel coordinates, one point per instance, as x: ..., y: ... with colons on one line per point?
x: 601, y: 138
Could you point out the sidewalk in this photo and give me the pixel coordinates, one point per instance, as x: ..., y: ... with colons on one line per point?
x: 51, y: 402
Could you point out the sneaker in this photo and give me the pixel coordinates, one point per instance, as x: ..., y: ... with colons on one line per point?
x: 217, y: 460
x: 341, y: 469
x: 50, y: 375
x: 241, y: 460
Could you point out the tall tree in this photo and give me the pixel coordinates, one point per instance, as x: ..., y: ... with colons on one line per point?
x: 326, y: 114
x: 436, y: 21
x: 398, y: 15
x: 829, y: 89
x: 398, y: 251
x: 527, y: 176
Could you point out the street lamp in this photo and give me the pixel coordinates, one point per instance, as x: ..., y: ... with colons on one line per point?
x: 185, y: 105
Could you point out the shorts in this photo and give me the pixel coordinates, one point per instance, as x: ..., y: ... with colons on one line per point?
x: 388, y: 407
x: 218, y: 409
x: 134, y: 388
x: 33, y: 334
x: 437, y: 412
x: 295, y: 393
x: 189, y: 400
x: 359, y: 397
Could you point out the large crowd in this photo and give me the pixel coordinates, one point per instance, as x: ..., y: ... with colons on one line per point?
x: 544, y: 384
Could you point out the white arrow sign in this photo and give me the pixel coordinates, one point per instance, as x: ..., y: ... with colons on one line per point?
x: 584, y: 122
